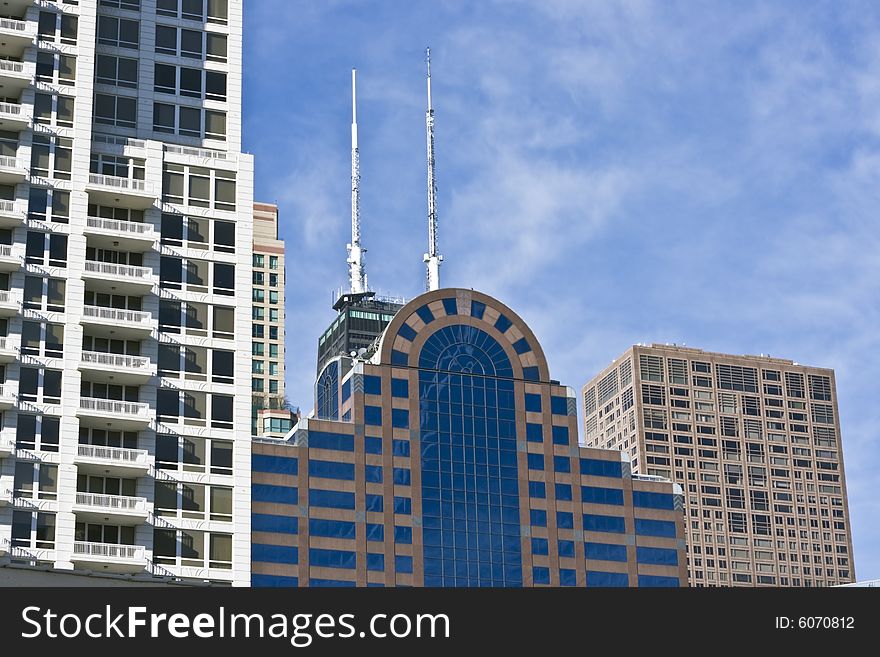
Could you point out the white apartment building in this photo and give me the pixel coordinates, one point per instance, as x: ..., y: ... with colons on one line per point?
x: 126, y: 229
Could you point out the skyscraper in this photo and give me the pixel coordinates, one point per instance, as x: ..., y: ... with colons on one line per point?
x: 360, y: 321
x: 755, y: 443
x: 127, y: 226
x: 452, y: 459
x: 270, y: 406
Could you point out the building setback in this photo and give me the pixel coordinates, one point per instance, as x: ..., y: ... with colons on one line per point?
x: 755, y: 443
x: 125, y: 283
x: 455, y: 461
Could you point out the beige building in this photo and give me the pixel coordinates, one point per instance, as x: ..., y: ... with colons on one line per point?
x: 755, y: 443
x: 267, y: 312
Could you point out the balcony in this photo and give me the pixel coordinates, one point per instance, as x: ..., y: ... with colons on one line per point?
x: 12, y: 170
x: 118, y: 191
x: 109, y: 557
x: 15, y: 36
x: 10, y: 303
x: 5, y: 497
x: 118, y: 279
x: 8, y: 397
x: 118, y: 322
x: 13, y: 118
x: 118, y: 461
x: 121, y: 415
x: 116, y: 368
x: 120, y: 235
x: 8, y: 349
x: 10, y: 259
x: 7, y: 444
x: 15, y: 76
x: 113, y: 509
x: 10, y: 216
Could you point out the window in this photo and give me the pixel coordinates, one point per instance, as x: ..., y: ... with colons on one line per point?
x: 195, y: 10
x: 52, y: 27
x: 605, y: 551
x: 650, y: 368
x: 191, y: 82
x: 132, y: 5
x: 182, y: 547
x: 117, y: 71
x: 820, y: 387
x: 215, y: 47
x: 594, y: 495
x: 601, y: 468
x: 187, y: 121
x: 44, y: 293
x: 33, y: 529
x: 117, y: 166
x: 51, y: 157
x: 40, y: 385
x: 46, y: 248
x: 187, y: 185
x: 56, y: 69
x: 116, y: 110
x: 733, y: 377
x: 601, y: 523
x: 118, y: 32
x: 47, y: 106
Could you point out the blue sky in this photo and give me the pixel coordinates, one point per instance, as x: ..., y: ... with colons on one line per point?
x: 697, y: 173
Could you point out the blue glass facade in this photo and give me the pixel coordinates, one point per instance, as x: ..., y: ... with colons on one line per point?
x: 470, y: 491
x: 327, y: 392
x: 456, y: 463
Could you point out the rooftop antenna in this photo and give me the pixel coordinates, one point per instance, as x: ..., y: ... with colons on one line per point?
x: 357, y: 274
x: 432, y: 257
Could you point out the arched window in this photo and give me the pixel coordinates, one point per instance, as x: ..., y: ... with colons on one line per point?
x: 327, y: 392
x: 465, y: 349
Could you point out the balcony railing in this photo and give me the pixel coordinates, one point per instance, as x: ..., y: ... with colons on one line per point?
x: 118, y: 141
x: 115, y: 502
x: 122, y: 271
x: 6, y: 391
x: 119, y: 455
x: 114, y: 406
x: 130, y: 227
x: 7, y: 207
x: 11, y: 67
x: 137, y: 363
x: 203, y: 153
x: 116, y: 314
x: 9, y: 162
x: 12, y: 24
x: 6, y: 296
x: 118, y: 182
x: 10, y: 108
x: 109, y: 551
x: 5, y: 251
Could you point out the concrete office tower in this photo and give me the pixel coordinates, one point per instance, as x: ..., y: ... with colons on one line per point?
x: 754, y: 441
x: 270, y: 405
x: 455, y: 461
x: 126, y: 218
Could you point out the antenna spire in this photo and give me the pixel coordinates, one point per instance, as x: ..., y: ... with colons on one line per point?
x: 432, y: 257
x: 356, y: 271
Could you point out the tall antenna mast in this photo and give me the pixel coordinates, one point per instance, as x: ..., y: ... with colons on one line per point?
x: 356, y: 272
x: 432, y: 257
